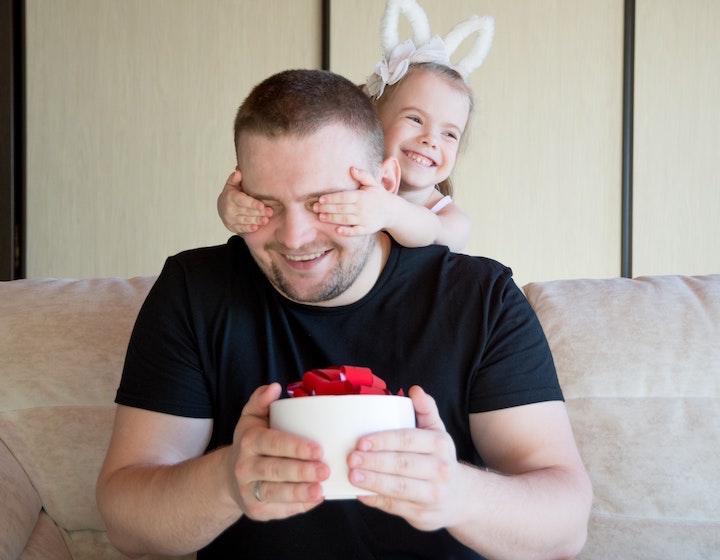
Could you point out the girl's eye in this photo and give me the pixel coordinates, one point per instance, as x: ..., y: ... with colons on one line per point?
x: 414, y: 118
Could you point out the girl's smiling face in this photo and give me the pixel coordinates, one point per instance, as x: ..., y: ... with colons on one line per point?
x: 424, y: 119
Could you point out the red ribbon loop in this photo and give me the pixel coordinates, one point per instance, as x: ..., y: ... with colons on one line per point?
x: 343, y: 380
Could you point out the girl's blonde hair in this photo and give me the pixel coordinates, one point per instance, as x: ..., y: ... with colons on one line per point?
x: 453, y: 78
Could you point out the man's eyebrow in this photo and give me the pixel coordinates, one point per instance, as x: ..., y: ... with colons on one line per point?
x: 309, y: 196
x: 318, y: 194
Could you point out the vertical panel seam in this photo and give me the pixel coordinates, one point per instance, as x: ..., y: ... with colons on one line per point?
x: 325, y: 34
x: 626, y: 235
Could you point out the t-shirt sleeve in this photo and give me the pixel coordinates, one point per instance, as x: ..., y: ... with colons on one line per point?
x: 163, y: 369
x: 517, y: 366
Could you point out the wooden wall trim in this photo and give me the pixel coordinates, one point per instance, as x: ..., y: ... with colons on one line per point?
x: 12, y: 189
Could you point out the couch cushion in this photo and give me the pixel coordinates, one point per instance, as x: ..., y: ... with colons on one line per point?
x: 61, y: 450
x: 63, y: 341
x: 63, y: 344
x: 94, y: 545
x: 46, y: 542
x: 639, y: 362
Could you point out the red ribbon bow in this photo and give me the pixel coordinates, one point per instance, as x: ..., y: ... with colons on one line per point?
x: 343, y: 380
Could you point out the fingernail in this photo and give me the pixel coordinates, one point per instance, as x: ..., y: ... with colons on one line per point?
x: 355, y: 460
x: 322, y: 472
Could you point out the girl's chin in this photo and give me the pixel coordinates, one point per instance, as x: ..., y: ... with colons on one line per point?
x: 412, y: 187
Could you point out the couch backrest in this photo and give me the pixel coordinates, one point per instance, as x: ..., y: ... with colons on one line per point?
x: 639, y: 362
x: 62, y: 347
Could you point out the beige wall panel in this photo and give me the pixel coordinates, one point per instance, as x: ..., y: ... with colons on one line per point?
x: 677, y: 138
x: 541, y: 176
x: 130, y: 106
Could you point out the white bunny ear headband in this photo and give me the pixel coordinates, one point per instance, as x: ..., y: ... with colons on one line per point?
x: 397, y: 56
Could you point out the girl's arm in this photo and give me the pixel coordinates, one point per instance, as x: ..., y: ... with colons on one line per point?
x: 455, y: 228
x: 240, y: 212
x: 372, y: 208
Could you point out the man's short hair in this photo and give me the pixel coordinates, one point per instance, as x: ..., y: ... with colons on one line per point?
x: 301, y: 102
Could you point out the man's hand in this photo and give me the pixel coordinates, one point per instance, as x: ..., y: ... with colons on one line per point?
x: 414, y: 472
x: 534, y: 502
x: 276, y: 474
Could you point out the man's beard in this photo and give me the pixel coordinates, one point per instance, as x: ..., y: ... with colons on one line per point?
x: 340, y: 279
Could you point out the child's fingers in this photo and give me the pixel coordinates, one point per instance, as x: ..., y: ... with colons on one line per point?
x: 336, y: 204
x: 254, y: 211
x: 246, y: 220
x: 338, y: 198
x: 247, y: 205
x: 244, y: 228
x: 249, y: 224
x: 353, y: 231
x: 339, y: 219
x: 243, y: 223
x: 234, y: 180
x: 335, y: 209
x: 363, y: 177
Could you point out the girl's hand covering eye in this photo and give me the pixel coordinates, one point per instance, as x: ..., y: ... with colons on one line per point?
x: 240, y: 212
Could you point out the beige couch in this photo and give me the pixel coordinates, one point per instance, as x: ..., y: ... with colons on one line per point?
x: 639, y: 361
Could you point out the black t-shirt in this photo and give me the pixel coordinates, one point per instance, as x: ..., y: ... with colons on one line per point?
x: 213, y: 329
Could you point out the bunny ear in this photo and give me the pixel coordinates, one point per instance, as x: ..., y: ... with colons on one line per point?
x: 485, y: 28
x: 397, y: 57
x: 415, y: 16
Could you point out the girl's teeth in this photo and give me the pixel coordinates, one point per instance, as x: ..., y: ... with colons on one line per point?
x: 420, y: 159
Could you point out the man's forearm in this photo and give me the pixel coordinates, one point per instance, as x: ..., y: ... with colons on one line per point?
x: 169, y: 510
x: 537, y: 515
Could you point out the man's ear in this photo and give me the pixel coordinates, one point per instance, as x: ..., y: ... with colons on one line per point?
x: 390, y: 175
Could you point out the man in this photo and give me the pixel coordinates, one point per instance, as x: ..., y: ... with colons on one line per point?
x: 491, y: 469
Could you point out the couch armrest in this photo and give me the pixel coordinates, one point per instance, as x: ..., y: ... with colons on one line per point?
x: 19, y: 505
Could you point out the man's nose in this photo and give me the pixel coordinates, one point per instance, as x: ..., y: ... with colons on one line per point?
x: 298, y: 227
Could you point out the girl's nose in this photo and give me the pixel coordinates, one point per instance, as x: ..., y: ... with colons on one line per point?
x: 429, y: 139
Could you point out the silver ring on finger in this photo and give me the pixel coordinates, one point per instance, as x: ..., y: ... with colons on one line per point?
x: 256, y: 492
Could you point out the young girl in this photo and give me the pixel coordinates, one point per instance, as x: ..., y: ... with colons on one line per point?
x: 424, y: 104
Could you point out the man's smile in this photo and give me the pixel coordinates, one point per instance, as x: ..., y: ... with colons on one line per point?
x: 306, y: 261
x: 305, y: 257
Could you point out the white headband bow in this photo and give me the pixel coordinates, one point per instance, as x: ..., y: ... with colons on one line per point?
x: 397, y: 56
